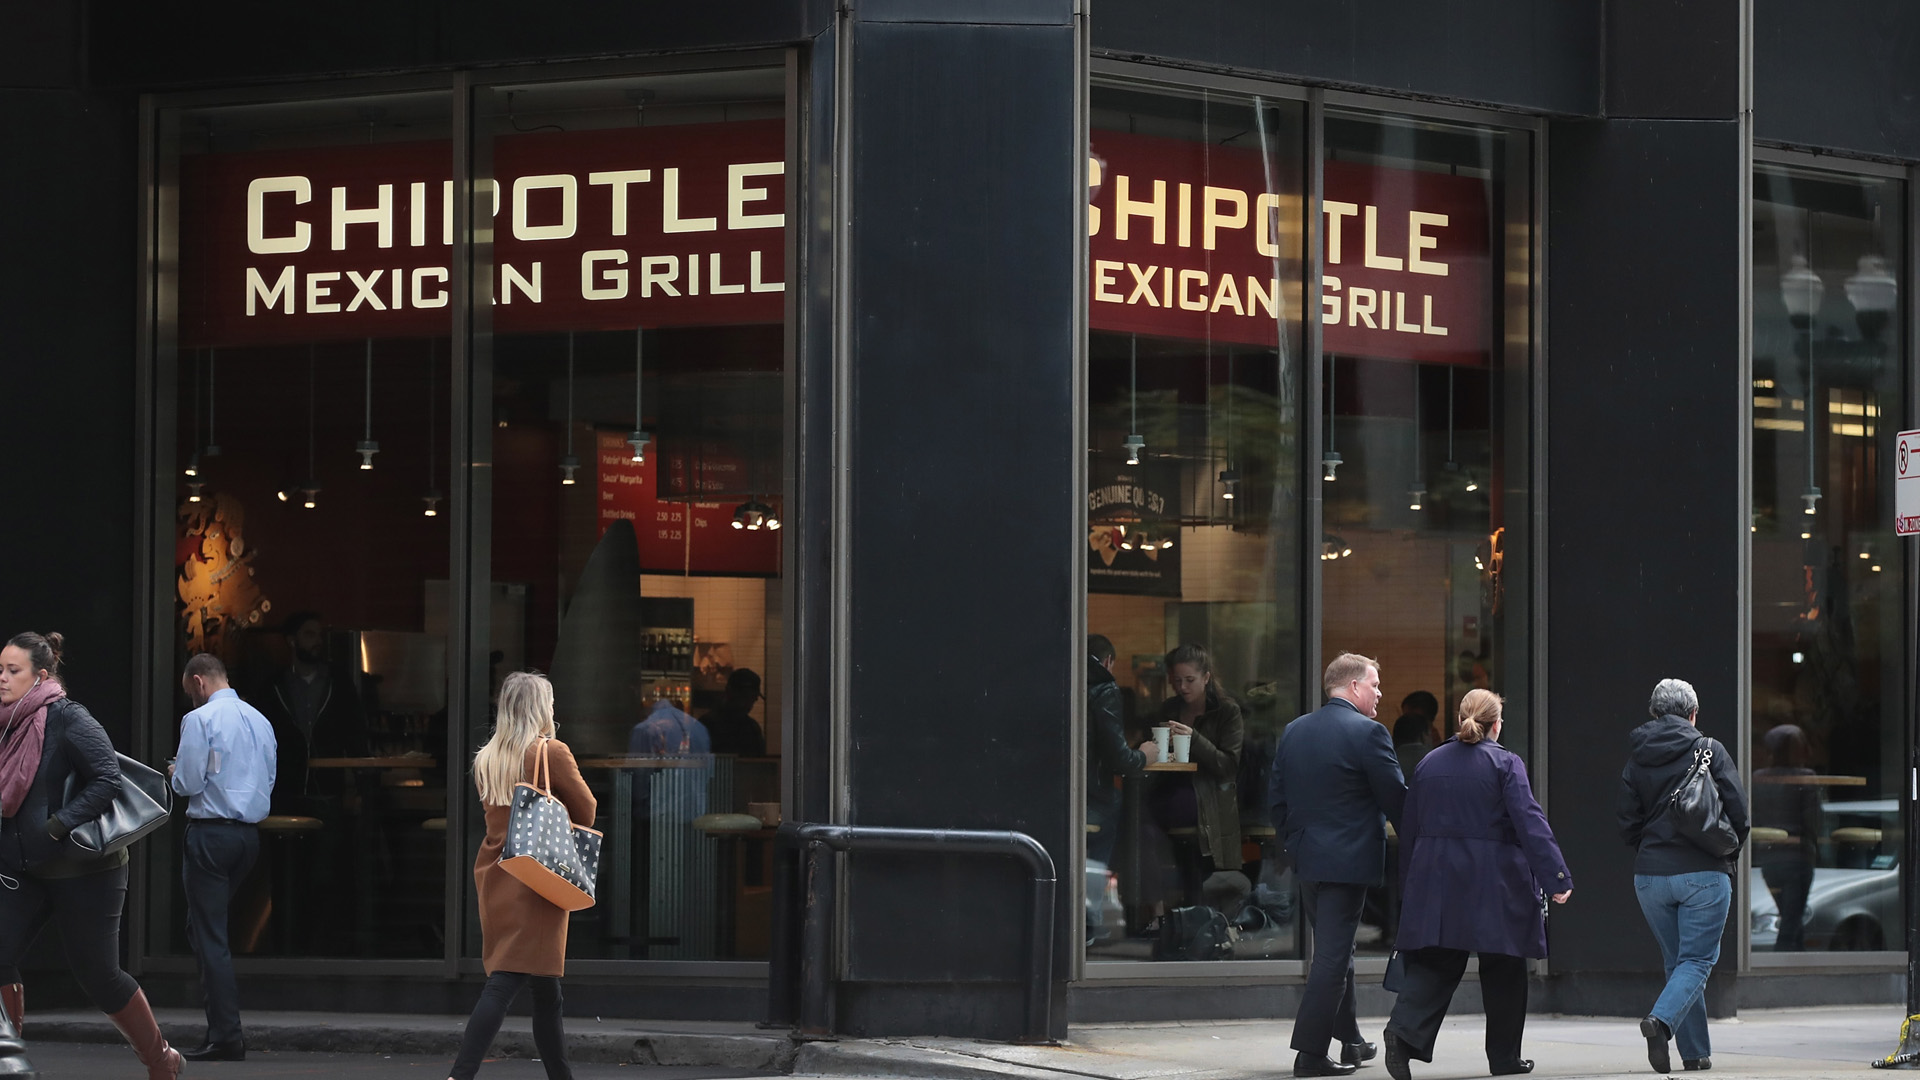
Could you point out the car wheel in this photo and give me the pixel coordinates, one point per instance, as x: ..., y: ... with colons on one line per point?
x: 1857, y: 935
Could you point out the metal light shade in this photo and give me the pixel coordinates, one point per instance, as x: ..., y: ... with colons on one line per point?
x: 1801, y: 289
x: 1874, y: 294
x: 1329, y: 461
x: 366, y: 448
x: 1134, y: 443
x: 639, y: 440
x: 568, y: 465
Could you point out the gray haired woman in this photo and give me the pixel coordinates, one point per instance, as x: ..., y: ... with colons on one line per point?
x: 1684, y: 890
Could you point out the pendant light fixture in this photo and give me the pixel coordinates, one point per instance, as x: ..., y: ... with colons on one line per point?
x: 1229, y: 476
x: 569, y: 464
x: 1453, y: 466
x: 754, y: 515
x: 1802, y: 289
x: 310, y: 487
x: 1417, y: 490
x: 212, y: 448
x: 1330, y: 458
x: 638, y: 438
x: 192, y: 468
x: 433, y: 497
x: 1133, y: 442
x: 366, y: 447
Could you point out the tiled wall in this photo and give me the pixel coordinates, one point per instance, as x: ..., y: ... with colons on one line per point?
x: 742, y: 612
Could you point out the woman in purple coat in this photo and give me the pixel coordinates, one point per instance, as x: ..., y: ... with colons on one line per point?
x: 1477, y: 859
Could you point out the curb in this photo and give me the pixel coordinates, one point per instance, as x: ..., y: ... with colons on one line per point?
x: 876, y: 1058
x: 772, y: 1053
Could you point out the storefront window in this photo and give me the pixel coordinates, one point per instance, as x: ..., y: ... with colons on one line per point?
x: 1425, y: 315
x: 636, y: 366
x: 305, y: 385
x: 1829, y: 576
x: 1194, y: 513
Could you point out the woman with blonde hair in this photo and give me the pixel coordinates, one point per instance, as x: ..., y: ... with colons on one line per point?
x: 1477, y: 863
x: 523, y: 937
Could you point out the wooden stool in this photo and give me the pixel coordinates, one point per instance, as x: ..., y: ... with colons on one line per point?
x: 282, y: 831
x: 726, y: 830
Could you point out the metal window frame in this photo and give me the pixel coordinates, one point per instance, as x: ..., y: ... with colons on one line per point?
x: 469, y: 445
x: 1148, y: 77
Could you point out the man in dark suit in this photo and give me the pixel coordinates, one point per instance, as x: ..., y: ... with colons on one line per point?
x: 1335, y: 779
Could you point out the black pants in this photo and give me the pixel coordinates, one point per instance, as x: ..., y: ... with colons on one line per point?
x: 218, y: 857
x: 549, y: 1038
x: 1432, y: 977
x: 1326, y: 1009
x: 88, y: 910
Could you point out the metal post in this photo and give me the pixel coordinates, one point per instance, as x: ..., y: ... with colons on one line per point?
x: 816, y: 961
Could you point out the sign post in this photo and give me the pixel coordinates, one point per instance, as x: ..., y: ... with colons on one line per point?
x: 1906, y: 522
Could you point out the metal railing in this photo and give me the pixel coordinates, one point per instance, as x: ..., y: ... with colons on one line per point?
x: 800, y: 990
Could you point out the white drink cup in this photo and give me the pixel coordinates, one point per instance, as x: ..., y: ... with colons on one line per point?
x: 1161, y: 735
x: 1182, y: 748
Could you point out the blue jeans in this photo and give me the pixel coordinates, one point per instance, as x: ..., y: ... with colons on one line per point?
x: 1688, y: 913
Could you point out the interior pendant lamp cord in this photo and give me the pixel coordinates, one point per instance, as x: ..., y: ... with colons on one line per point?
x: 569, y: 463
x: 367, y: 447
x: 1134, y: 442
x: 638, y: 438
x: 432, y: 497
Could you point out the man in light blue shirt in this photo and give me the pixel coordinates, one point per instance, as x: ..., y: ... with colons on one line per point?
x: 226, y: 769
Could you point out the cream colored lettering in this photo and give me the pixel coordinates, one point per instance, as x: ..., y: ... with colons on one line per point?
x: 569, y: 222
x: 1266, y: 210
x: 1212, y: 220
x: 1166, y: 287
x: 661, y: 270
x: 1226, y: 294
x: 693, y: 275
x: 511, y: 279
x: 1400, y: 322
x: 754, y: 281
x: 363, y: 290
x: 670, y: 219
x: 379, y: 215
x: 1265, y: 298
x: 1188, y: 302
x: 1426, y: 320
x: 1143, y: 284
x: 1125, y: 208
x: 1093, y: 184
x: 619, y: 180
x: 258, y: 241
x: 319, y: 287
x: 1358, y: 312
x: 714, y: 284
x: 1186, y: 215
x: 591, y: 274
x: 739, y: 195
x: 416, y: 215
x: 394, y: 284
x: 257, y: 290
x: 1106, y: 274
x: 1418, y: 241
x: 1375, y: 260
x: 1336, y: 210
x: 1329, y: 301
x: 420, y: 278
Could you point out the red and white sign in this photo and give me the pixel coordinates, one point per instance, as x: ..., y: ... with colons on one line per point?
x: 1186, y: 242
x: 1906, y: 483
x: 592, y: 230
x: 678, y: 536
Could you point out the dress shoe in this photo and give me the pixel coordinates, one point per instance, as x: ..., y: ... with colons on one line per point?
x: 1512, y: 1068
x: 1396, y: 1057
x: 1697, y: 1064
x: 1305, y: 1064
x: 1357, y: 1053
x: 227, y: 1051
x: 1655, y: 1029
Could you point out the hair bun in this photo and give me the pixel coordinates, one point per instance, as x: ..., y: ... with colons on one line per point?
x: 57, y: 641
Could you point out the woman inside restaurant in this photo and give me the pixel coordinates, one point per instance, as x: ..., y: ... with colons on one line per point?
x: 1477, y: 859
x: 1207, y: 807
x: 46, y: 740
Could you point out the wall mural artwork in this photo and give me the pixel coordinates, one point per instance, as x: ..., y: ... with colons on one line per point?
x: 215, y: 583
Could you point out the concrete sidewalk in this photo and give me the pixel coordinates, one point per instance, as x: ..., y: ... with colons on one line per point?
x: 1812, y: 1043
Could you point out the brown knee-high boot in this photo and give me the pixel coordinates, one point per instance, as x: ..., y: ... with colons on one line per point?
x: 142, y: 1032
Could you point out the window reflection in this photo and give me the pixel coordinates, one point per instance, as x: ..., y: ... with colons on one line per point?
x: 1829, y: 690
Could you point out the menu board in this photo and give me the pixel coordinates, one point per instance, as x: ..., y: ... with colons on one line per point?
x: 676, y: 536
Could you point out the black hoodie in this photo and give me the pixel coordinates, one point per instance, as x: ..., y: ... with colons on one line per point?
x: 1662, y: 751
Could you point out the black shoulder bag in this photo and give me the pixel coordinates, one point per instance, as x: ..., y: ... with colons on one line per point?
x: 1695, y: 805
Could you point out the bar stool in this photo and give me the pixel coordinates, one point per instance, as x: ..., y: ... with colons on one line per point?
x: 282, y: 833
x: 725, y: 830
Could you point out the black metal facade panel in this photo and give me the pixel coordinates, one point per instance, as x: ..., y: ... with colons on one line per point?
x: 1521, y: 54
x: 1674, y: 59
x: 1842, y: 76
x: 963, y: 241
x: 986, y: 12
x: 210, y: 44
x: 1646, y: 401
x: 67, y: 336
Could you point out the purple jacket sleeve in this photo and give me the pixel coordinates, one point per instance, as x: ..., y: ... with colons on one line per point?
x: 1530, y: 825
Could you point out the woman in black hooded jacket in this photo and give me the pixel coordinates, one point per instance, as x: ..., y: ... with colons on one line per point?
x: 1684, y: 890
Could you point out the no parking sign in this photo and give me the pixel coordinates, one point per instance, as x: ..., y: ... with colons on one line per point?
x: 1906, y: 484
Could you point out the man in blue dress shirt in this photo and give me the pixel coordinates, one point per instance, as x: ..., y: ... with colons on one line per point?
x: 226, y: 768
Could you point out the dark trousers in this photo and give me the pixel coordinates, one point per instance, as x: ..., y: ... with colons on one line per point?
x: 549, y: 1038
x: 1434, y: 974
x: 88, y: 910
x: 1326, y: 1009
x: 217, y: 859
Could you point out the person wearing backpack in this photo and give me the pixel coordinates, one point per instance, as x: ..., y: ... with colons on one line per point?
x: 1682, y: 869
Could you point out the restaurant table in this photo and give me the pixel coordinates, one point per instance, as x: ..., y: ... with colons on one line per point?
x: 620, y: 908
x: 423, y: 761
x: 1173, y: 766
x: 1813, y: 781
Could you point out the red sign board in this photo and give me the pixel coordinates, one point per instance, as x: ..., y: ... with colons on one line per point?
x: 593, y: 230
x: 678, y: 536
x: 1188, y: 241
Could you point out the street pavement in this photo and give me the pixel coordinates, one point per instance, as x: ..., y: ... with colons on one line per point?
x: 1816, y: 1044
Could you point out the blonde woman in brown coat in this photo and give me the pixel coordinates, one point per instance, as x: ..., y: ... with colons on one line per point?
x: 523, y: 937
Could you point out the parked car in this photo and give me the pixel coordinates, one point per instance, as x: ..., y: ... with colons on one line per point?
x: 1849, y: 909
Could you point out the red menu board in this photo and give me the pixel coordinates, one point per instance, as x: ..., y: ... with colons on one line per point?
x: 678, y: 536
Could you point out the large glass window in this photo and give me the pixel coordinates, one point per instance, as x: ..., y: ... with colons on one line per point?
x: 1194, y: 513
x: 306, y: 389
x: 1425, y: 317
x: 1830, y: 679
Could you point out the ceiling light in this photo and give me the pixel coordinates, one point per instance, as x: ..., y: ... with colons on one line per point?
x: 1329, y: 461
x: 193, y: 464
x: 754, y: 515
x: 432, y: 499
x: 1333, y: 548
x: 1166, y: 542
x: 1810, y: 496
x: 1230, y: 479
x: 309, y: 493
x: 1801, y: 290
x: 567, y: 466
x: 193, y: 491
x: 1472, y: 484
x: 1416, y: 495
x: 639, y: 440
x: 1134, y: 444
x: 366, y: 448
x: 1799, y: 658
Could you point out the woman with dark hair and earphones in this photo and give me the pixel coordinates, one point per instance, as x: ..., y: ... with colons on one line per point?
x: 46, y: 740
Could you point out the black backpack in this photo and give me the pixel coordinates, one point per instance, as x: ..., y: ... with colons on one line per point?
x: 1193, y: 933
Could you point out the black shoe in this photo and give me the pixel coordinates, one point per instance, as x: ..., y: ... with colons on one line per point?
x: 1305, y: 1064
x: 229, y: 1051
x: 1657, y: 1035
x: 1697, y: 1064
x: 1357, y: 1053
x: 1396, y: 1057
x: 1512, y: 1068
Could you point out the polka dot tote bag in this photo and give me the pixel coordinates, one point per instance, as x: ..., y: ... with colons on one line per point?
x: 545, y: 849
